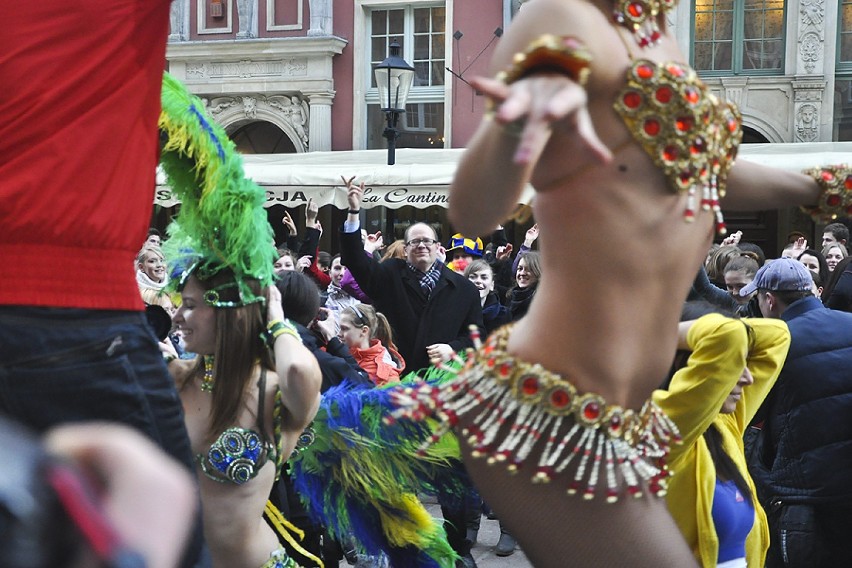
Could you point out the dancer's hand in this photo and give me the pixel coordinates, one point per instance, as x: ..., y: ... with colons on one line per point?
x: 274, y: 310
x: 542, y: 103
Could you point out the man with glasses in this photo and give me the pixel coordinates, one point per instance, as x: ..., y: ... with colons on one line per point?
x: 430, y: 308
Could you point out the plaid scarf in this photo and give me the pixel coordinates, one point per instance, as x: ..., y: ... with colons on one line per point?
x: 427, y: 279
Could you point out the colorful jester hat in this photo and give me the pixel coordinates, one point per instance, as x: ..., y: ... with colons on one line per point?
x: 222, y: 223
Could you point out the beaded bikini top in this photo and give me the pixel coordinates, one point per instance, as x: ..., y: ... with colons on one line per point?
x: 238, y: 454
x: 687, y: 131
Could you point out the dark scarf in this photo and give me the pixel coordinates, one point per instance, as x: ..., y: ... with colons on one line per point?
x: 520, y: 299
x: 429, y: 279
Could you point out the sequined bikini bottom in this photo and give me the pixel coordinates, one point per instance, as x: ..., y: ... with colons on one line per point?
x: 514, y: 410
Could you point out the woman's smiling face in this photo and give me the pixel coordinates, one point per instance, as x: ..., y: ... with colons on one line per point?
x: 196, y: 320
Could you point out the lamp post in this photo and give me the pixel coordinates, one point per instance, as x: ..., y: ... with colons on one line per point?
x: 393, y: 78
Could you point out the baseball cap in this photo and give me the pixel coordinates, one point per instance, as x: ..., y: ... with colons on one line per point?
x: 780, y: 275
x: 470, y: 246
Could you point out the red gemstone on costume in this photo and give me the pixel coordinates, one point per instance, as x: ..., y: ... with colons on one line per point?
x: 675, y: 70
x: 632, y: 99
x: 833, y: 200
x: 505, y: 369
x: 664, y: 94
x: 684, y: 123
x: 592, y: 411
x: 698, y: 146
x: 670, y: 153
x: 827, y: 176
x: 560, y: 398
x: 733, y: 124
x: 529, y: 385
x: 615, y: 423
x: 635, y: 9
x: 652, y: 127
x: 655, y: 36
x: 848, y: 183
x: 691, y: 95
x: 685, y: 177
x: 644, y: 71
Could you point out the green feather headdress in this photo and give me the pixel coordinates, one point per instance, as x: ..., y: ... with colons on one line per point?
x: 222, y: 223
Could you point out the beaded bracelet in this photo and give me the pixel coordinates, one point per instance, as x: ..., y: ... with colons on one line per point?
x: 277, y: 328
x: 563, y: 54
x: 834, y: 199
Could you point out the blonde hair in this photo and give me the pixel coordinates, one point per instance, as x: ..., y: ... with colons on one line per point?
x: 149, y: 249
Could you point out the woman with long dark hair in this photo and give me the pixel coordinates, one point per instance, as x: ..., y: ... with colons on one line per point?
x: 247, y: 398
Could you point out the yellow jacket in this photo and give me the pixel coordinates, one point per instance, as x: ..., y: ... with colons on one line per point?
x: 721, y: 349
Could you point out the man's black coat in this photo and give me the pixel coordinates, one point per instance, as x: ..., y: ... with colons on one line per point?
x: 417, y: 321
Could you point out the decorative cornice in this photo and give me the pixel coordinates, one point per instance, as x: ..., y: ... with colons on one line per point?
x: 247, y: 69
x: 315, y: 46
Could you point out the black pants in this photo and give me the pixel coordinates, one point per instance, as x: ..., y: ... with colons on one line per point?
x: 811, y: 536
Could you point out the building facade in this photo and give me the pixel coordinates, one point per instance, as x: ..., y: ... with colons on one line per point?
x: 297, y: 75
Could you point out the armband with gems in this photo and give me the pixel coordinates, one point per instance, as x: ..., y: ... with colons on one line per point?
x: 562, y: 54
x: 834, y: 199
x: 277, y: 328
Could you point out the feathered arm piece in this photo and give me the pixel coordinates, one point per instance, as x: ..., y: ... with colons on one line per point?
x: 222, y: 222
x: 361, y: 475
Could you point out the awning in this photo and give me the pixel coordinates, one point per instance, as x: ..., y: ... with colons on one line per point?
x: 421, y: 178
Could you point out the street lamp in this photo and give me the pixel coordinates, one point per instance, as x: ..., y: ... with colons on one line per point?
x: 393, y: 79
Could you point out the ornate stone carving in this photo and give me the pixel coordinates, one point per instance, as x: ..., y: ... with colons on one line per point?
x: 249, y: 106
x: 808, y: 90
x: 289, y: 109
x: 807, y: 123
x: 322, y: 18
x: 246, y: 11
x: 177, y: 21
x: 813, y: 13
x: 810, y: 48
x: 247, y: 69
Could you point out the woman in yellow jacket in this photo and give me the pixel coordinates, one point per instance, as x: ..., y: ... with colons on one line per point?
x: 732, y: 366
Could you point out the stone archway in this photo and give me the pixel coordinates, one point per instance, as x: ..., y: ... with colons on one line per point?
x: 260, y: 137
x: 289, y: 113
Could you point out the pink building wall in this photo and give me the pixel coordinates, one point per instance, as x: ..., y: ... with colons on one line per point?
x: 477, y: 20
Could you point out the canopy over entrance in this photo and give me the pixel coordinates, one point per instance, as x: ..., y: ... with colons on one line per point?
x: 421, y: 178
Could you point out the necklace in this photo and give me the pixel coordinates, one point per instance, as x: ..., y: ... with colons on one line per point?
x: 207, y: 381
x: 640, y: 17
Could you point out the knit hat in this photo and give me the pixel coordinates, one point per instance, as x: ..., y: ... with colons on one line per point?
x: 780, y: 275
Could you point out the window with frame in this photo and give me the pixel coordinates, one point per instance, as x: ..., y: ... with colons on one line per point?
x: 738, y: 37
x: 420, y: 31
x: 843, y: 80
